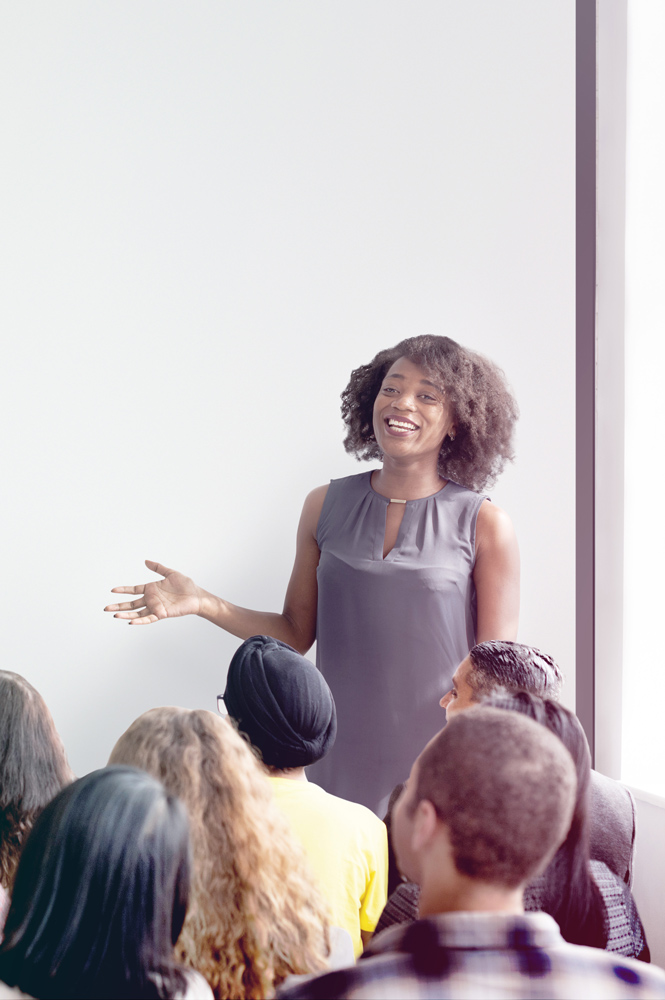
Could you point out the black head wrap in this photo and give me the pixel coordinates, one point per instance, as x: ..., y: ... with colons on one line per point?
x: 281, y: 702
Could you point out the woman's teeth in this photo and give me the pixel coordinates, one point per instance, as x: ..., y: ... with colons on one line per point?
x: 402, y: 425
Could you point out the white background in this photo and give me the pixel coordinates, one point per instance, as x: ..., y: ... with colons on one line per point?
x: 644, y: 586
x: 630, y: 409
x: 210, y: 214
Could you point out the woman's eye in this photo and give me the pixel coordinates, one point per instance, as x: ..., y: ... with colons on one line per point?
x: 388, y: 388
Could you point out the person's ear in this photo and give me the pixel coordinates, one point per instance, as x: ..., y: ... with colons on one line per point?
x: 424, y: 825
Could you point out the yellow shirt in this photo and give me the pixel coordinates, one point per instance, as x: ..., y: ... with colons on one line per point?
x: 347, y: 847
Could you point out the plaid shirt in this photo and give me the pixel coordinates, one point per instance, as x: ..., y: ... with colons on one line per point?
x: 473, y: 956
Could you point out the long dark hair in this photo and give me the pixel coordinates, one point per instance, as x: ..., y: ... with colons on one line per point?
x: 572, y: 896
x: 101, y: 892
x: 33, y: 766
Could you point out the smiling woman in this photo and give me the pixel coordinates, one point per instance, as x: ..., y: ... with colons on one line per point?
x: 398, y: 571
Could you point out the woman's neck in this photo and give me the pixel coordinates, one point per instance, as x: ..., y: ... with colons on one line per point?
x: 407, y: 482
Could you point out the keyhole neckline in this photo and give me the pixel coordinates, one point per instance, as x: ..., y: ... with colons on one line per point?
x: 389, y: 500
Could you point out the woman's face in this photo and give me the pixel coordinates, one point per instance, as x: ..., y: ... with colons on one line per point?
x: 411, y: 415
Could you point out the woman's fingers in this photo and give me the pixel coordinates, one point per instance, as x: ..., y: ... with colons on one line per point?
x: 127, y: 605
x: 132, y: 614
x: 158, y: 568
x: 147, y: 620
x: 136, y: 612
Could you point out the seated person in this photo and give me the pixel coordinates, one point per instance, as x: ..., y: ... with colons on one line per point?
x: 589, y: 902
x: 514, y: 667
x: 284, y: 706
x: 473, y: 836
x: 255, y: 917
x: 100, y: 894
x: 33, y: 768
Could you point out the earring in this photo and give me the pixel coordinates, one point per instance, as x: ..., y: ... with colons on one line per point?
x: 451, y: 436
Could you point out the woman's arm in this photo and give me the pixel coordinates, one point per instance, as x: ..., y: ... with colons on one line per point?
x: 178, y: 595
x: 496, y: 575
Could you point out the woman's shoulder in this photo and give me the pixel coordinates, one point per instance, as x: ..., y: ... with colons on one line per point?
x: 493, y: 525
x: 348, y: 487
x: 360, y: 482
x: 461, y: 506
x: 327, y: 507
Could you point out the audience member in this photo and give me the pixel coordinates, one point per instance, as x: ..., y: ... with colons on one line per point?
x: 33, y: 768
x: 255, y: 916
x: 514, y: 667
x: 486, y: 806
x: 508, y: 666
x: 284, y: 706
x: 589, y: 902
x: 101, y: 893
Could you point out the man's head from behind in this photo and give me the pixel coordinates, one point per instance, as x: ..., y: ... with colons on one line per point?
x: 281, y: 702
x: 494, y: 793
x: 508, y: 665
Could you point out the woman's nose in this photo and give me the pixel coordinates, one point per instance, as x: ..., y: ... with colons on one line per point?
x: 405, y: 402
x: 445, y: 701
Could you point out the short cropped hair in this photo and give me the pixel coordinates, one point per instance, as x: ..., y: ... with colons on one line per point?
x: 514, y: 667
x: 505, y: 788
x: 484, y: 409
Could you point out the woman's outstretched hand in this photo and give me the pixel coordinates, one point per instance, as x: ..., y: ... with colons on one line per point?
x: 171, y: 597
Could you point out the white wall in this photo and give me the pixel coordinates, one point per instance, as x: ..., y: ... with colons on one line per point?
x: 649, y: 877
x: 631, y: 212
x: 211, y: 213
x: 644, y: 587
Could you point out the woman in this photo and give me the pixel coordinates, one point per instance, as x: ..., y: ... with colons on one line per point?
x: 101, y: 894
x: 591, y: 904
x: 33, y: 768
x: 398, y: 571
x: 255, y: 918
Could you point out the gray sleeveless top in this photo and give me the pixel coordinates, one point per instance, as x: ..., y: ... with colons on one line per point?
x: 390, y: 632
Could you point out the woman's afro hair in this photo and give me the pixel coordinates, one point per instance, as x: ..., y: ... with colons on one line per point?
x: 484, y: 409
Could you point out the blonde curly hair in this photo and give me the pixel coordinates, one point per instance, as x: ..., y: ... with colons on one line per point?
x: 254, y: 915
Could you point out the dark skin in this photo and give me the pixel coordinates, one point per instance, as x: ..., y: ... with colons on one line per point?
x: 411, y: 420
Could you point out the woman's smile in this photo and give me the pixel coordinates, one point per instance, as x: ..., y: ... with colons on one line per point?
x: 399, y: 426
